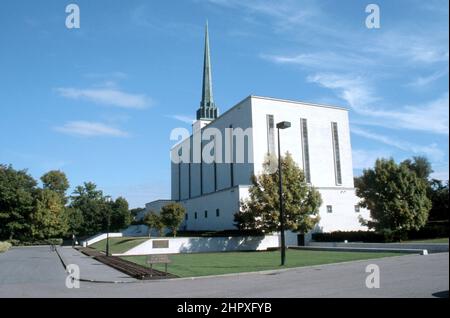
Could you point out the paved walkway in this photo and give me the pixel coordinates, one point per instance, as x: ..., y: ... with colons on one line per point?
x: 91, y: 269
x: 38, y: 272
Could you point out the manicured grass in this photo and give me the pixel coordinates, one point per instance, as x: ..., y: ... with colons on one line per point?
x: 437, y: 240
x: 119, y: 245
x: 202, y: 264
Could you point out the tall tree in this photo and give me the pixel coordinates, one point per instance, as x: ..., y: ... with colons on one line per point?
x: 396, y: 197
x: 154, y: 221
x: 420, y: 165
x: 172, y: 216
x: 48, y: 219
x: 91, y: 203
x: 74, y: 220
x: 17, y: 192
x: 261, y: 211
x: 439, y: 194
x: 120, y: 214
x: 57, y: 181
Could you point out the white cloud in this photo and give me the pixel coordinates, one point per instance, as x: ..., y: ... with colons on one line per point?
x: 432, y: 150
x: 90, y: 129
x: 426, y: 80
x: 366, y: 158
x: 321, y: 60
x: 107, y: 96
x: 357, y: 92
x: 182, y: 118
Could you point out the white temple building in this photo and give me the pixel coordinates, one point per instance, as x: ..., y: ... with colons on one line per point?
x: 238, y: 142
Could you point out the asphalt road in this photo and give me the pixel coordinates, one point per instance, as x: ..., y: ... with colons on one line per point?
x: 38, y: 272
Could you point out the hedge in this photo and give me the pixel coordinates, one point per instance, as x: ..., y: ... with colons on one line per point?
x: 430, y: 231
x: 4, y: 246
x: 51, y: 241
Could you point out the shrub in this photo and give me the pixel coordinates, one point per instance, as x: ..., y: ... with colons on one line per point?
x: 350, y: 236
x: 4, y: 246
x: 51, y: 241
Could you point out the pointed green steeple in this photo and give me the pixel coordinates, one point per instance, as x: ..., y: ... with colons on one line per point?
x: 208, y: 109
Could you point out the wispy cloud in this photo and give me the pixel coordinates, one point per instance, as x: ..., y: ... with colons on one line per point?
x: 107, y: 96
x: 90, y: 129
x: 366, y: 158
x: 426, y: 80
x: 320, y: 60
x: 182, y: 118
x: 433, y: 150
x: 358, y: 93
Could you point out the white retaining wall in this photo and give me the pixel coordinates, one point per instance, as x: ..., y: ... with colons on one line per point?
x: 206, y: 244
x: 98, y: 238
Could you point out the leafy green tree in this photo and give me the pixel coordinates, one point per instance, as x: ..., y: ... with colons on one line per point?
x: 420, y: 165
x: 17, y: 192
x: 92, y: 204
x: 57, y: 181
x: 261, y: 211
x: 120, y: 214
x: 74, y: 220
x: 396, y: 197
x: 172, y: 216
x: 154, y: 221
x: 438, y: 194
x: 48, y: 219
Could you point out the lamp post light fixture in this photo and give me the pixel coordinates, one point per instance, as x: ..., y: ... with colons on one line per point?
x: 281, y: 125
x: 108, y: 200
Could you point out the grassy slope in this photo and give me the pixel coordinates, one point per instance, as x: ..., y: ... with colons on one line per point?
x: 437, y: 240
x: 201, y: 264
x: 119, y: 244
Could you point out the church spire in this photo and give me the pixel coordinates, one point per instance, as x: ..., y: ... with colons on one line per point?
x: 207, y: 110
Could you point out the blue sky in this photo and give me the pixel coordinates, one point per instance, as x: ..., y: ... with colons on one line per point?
x: 99, y: 102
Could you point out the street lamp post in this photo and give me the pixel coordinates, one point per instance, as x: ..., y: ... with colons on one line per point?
x: 281, y: 125
x: 108, y: 221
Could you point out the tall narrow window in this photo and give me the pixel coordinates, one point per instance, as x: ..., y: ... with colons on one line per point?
x: 201, y: 168
x: 232, y: 157
x: 217, y: 212
x: 270, y: 134
x: 337, y: 155
x: 179, y: 181
x: 305, y: 148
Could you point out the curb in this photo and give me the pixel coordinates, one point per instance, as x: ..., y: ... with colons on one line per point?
x: 81, y: 279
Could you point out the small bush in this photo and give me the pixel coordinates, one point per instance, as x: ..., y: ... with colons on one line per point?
x: 4, y: 246
x: 51, y: 241
x: 350, y: 236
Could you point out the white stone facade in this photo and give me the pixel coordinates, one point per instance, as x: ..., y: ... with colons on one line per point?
x: 211, y: 192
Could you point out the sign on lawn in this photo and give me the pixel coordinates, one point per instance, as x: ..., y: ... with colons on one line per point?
x: 158, y: 259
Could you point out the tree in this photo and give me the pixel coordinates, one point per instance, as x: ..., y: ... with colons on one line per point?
x: 74, y: 220
x: 120, y: 214
x: 154, y: 221
x: 420, y: 165
x: 396, y: 197
x: 261, y: 211
x: 47, y: 219
x: 92, y: 204
x: 17, y: 192
x: 56, y: 180
x: 172, y: 216
x: 438, y: 194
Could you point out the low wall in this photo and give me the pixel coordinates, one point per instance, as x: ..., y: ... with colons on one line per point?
x: 430, y: 247
x: 98, y: 238
x: 203, y: 244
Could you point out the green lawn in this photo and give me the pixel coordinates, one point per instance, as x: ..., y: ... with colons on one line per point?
x: 119, y: 245
x: 437, y: 240
x: 202, y: 264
